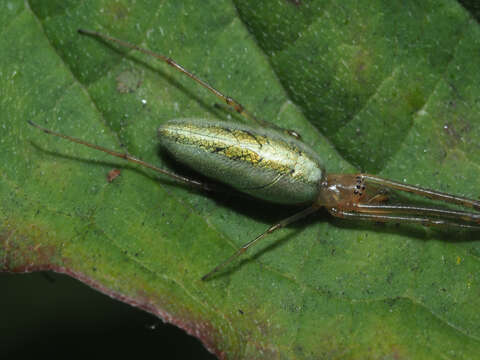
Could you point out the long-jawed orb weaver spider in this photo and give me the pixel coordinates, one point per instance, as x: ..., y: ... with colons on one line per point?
x: 273, y: 164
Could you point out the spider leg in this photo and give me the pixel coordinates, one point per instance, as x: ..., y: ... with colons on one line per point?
x: 179, y: 178
x: 270, y: 230
x: 231, y: 102
x: 431, y: 194
x: 400, y: 214
x: 410, y: 210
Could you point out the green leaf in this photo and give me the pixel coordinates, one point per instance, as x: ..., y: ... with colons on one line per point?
x: 383, y: 87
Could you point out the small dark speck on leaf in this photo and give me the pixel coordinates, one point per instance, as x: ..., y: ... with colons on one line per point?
x: 113, y: 174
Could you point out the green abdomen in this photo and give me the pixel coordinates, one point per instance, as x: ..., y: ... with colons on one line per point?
x: 261, y: 162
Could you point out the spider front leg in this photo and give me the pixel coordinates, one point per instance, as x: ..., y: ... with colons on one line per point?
x: 427, y: 193
x: 367, y: 197
x: 397, y: 218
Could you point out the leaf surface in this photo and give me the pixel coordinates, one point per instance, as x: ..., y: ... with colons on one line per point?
x: 384, y: 88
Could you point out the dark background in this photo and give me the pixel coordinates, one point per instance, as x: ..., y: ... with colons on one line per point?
x: 51, y: 315
x: 473, y: 6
